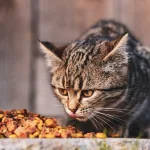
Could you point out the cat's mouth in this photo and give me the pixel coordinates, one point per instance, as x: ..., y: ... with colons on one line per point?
x: 80, y: 118
x: 75, y: 116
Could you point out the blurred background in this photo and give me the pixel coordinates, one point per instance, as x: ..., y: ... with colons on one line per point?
x: 24, y: 78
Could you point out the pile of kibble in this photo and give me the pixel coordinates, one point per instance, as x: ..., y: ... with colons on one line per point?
x: 23, y: 124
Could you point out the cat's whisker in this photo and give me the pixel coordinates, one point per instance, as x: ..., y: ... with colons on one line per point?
x: 116, y: 119
x: 124, y: 111
x: 116, y: 108
x: 121, y: 110
x: 100, y: 123
x: 102, y: 119
x: 112, y: 116
x: 106, y: 119
x: 93, y: 122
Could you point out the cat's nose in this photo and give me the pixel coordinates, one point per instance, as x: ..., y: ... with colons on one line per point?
x: 73, y: 110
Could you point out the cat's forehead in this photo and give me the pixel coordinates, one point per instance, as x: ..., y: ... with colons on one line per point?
x: 89, y: 46
x: 80, y: 56
x: 86, y: 45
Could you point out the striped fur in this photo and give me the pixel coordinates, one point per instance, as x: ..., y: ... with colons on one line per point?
x: 116, y: 67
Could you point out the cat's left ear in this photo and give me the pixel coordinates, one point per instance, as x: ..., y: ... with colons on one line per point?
x: 53, y: 54
x: 119, y: 47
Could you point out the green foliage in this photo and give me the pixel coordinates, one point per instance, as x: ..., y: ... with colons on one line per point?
x: 102, y: 145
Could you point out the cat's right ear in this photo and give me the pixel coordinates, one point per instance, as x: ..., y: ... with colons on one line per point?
x: 52, y: 54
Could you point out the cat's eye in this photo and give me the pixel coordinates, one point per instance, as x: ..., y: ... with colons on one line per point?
x: 87, y: 93
x: 63, y: 92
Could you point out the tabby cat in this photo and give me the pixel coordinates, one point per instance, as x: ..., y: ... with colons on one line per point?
x: 103, y: 80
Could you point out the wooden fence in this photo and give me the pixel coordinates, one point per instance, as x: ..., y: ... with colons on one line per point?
x: 24, y: 79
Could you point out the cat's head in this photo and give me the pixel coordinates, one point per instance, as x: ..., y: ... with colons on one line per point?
x: 88, y: 75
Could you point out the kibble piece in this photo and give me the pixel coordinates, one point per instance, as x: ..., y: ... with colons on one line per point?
x: 50, y: 135
x: 100, y: 135
x: 3, y: 129
x: 13, y: 136
x: 64, y: 135
x: 57, y: 134
x: 58, y: 127
x: 89, y: 135
x: 49, y: 122
x: 20, y: 116
x: 39, y: 126
x: 1, y: 116
x: 36, y: 134
x: 115, y: 135
x: 40, y: 136
x: 21, y: 132
x: 79, y: 135
x: 1, y: 136
x: 31, y: 136
x: 11, y: 126
x: 18, y: 111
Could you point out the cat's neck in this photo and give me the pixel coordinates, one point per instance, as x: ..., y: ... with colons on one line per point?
x: 139, y: 78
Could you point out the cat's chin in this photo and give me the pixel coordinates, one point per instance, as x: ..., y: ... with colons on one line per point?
x: 82, y: 119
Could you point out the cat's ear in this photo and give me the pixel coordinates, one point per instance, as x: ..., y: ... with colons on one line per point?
x: 52, y: 54
x: 118, y: 47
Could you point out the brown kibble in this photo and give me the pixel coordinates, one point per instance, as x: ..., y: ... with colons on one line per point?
x: 57, y: 134
x: 40, y: 136
x: 1, y: 116
x: 39, y: 126
x: 12, y: 136
x: 11, y: 126
x: 3, y: 129
x: 64, y: 135
x: 50, y: 135
x: 49, y: 122
x: 21, y: 132
x: 115, y: 135
x: 79, y: 135
x: 58, y: 127
x: 18, y: 111
x: 100, y: 135
x: 1, y: 136
x: 20, y: 116
x: 89, y: 135
x: 23, y: 124
x: 31, y: 136
x: 35, y: 134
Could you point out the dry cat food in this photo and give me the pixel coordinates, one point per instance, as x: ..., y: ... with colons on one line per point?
x: 23, y: 124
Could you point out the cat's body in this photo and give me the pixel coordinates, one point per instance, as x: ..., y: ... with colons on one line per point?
x: 103, y: 80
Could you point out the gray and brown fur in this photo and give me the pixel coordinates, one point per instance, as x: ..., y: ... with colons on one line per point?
x: 116, y: 66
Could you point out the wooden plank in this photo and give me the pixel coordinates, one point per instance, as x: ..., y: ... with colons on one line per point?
x: 134, y: 15
x: 124, y: 12
x: 89, y: 12
x: 34, y: 27
x: 15, y: 47
x: 57, y: 23
x: 21, y: 56
x: 142, y: 20
x: 4, y: 94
